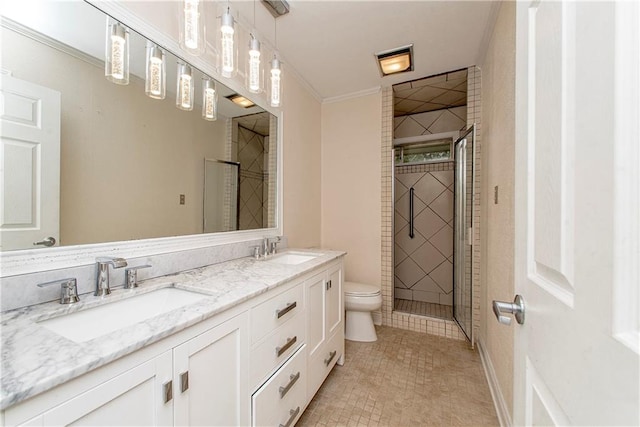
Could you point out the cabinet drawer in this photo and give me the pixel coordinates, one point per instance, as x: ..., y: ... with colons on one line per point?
x: 275, y: 349
x: 267, y: 316
x: 323, y: 361
x: 282, y: 399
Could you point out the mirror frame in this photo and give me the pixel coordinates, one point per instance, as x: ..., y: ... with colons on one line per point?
x: 27, y: 261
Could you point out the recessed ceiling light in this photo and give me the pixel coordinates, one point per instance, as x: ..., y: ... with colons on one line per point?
x: 240, y: 100
x: 395, y: 61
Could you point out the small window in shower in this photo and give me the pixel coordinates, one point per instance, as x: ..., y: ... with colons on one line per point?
x: 433, y: 151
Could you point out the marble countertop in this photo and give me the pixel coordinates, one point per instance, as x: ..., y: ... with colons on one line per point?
x: 35, y: 359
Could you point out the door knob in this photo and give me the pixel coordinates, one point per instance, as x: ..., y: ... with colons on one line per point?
x: 500, y: 308
x: 49, y: 241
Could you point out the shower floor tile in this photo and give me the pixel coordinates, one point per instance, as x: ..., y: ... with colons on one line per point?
x: 404, y: 379
x: 424, y: 308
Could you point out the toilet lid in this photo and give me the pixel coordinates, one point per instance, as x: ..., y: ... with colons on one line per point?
x: 362, y: 289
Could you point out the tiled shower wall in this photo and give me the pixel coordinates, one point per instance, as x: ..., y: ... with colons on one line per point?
x: 424, y: 264
x: 251, y: 153
x: 404, y: 320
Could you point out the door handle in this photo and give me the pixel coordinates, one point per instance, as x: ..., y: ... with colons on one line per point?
x: 500, y: 308
x: 411, y: 194
x: 49, y: 241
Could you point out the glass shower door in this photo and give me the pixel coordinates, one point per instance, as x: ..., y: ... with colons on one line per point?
x: 463, y: 230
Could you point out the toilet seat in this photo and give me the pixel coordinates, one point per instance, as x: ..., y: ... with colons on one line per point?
x: 360, y: 290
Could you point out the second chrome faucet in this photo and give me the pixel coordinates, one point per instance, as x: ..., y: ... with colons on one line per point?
x: 102, y: 279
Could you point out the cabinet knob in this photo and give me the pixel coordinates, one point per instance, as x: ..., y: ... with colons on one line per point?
x: 293, y: 413
x: 290, y: 342
x: 331, y: 356
x: 288, y: 308
x: 167, y: 391
x: 184, y: 381
x: 292, y: 380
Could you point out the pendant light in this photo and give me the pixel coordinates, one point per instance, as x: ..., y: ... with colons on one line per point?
x: 116, y: 64
x: 185, y: 90
x: 254, y: 69
x: 209, y: 100
x: 275, y: 87
x: 228, y: 45
x: 155, y: 82
x: 192, y: 29
x: 275, y: 98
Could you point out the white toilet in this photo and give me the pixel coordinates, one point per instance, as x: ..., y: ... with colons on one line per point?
x: 359, y: 301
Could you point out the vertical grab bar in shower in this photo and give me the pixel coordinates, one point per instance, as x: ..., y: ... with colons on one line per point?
x: 411, y: 193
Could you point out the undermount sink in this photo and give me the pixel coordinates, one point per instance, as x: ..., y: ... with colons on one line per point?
x: 94, y: 322
x: 291, y: 258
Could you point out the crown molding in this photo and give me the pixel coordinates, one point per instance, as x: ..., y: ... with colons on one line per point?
x: 352, y: 95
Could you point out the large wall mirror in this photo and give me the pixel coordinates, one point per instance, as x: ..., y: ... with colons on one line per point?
x: 129, y: 167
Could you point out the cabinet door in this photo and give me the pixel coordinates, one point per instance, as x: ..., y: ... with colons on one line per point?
x: 315, y: 301
x: 334, y: 302
x: 134, y: 397
x: 210, y: 376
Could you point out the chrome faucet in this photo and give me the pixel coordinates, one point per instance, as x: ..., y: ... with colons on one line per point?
x: 102, y: 280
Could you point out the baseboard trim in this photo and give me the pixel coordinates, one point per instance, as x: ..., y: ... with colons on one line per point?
x: 496, y: 394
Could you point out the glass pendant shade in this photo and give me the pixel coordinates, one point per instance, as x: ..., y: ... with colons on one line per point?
x: 156, y: 76
x: 209, y: 100
x: 116, y: 64
x: 192, y: 29
x: 228, y: 45
x: 275, y: 92
x: 254, y: 69
x: 185, y: 89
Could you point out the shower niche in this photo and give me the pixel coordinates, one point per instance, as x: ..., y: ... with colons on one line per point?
x: 433, y: 191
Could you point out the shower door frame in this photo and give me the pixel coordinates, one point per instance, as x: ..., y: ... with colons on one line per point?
x: 467, y: 238
x: 406, y: 142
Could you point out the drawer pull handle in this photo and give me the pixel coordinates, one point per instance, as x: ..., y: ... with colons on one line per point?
x: 167, y: 389
x: 292, y: 380
x: 290, y: 342
x: 331, y: 356
x: 287, y: 309
x: 184, y: 381
x: 292, y: 416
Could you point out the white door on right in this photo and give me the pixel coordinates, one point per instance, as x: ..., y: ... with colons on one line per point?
x: 577, y: 213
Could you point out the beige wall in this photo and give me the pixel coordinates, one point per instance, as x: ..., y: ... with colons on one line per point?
x: 301, y: 165
x: 125, y: 158
x: 351, y: 189
x: 497, y: 240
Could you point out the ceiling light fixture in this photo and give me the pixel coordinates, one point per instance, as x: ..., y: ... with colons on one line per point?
x: 275, y: 88
x: 254, y: 68
x: 192, y: 27
x: 209, y: 100
x: 398, y: 60
x: 116, y: 64
x: 155, y: 82
x: 227, y: 44
x: 240, y: 100
x: 184, y: 92
x: 277, y: 7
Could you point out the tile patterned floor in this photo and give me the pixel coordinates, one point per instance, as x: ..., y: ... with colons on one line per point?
x: 424, y: 308
x: 404, y: 379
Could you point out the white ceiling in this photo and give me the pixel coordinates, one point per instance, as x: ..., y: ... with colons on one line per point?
x: 331, y: 44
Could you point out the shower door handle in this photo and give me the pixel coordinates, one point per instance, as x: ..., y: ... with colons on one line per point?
x: 411, y: 194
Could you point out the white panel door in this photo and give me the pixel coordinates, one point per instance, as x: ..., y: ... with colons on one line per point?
x: 574, y: 361
x: 29, y: 164
x: 211, y: 377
